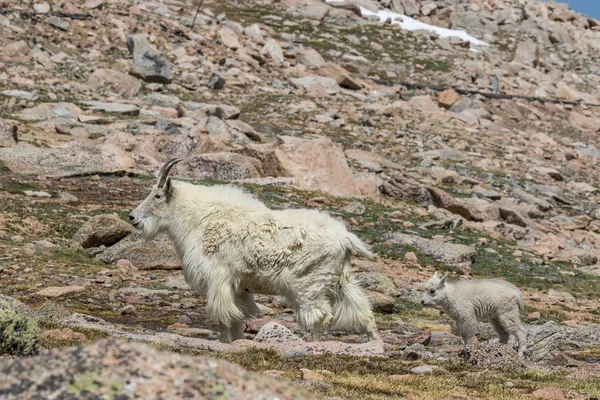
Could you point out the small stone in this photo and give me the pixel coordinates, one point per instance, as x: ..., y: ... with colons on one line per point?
x: 68, y: 197
x: 216, y: 82
x: 534, y: 315
x: 33, y: 193
x: 447, y: 98
x: 410, y: 256
x: 62, y: 337
x: 57, y: 291
x: 41, y: 8
x: 58, y: 23
x: 128, y: 310
x: 548, y: 393
x: 307, y: 374
x: 253, y: 31
x: 274, y: 332
x: 229, y: 38
x: 116, y: 108
x: 426, y: 369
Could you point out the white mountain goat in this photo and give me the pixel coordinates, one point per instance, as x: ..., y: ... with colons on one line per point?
x: 232, y: 246
x: 485, y: 300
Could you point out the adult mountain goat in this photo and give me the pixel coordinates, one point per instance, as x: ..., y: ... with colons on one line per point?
x: 485, y: 300
x: 233, y: 246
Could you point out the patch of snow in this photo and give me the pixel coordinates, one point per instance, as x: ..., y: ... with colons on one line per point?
x: 411, y: 24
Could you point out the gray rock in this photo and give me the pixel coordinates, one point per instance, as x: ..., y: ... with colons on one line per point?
x: 273, y: 50
x: 117, y: 108
x: 273, y: 332
x: 407, y: 189
x: 46, y: 111
x: 310, y: 58
x: 21, y: 95
x: 445, y: 252
x: 253, y: 31
x: 461, y: 105
x: 426, y: 369
x: 157, y: 254
x: 354, y: 208
x: 542, y: 340
x: 221, y: 166
x: 115, y: 82
x: 73, y: 373
x: 72, y: 158
x: 216, y: 82
x: 416, y: 351
x: 317, y: 84
x: 8, y: 137
x: 104, y: 229
x: 527, y: 53
x: 148, y: 64
x: 58, y: 23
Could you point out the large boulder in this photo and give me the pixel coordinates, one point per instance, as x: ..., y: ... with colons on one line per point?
x: 45, y: 111
x: 148, y: 64
x: 448, y: 253
x: 222, y: 166
x: 317, y: 164
x: 102, y: 230
x: 157, y: 254
x: 69, y: 159
x: 120, y: 369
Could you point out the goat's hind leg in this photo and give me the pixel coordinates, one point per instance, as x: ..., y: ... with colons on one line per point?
x: 245, y: 302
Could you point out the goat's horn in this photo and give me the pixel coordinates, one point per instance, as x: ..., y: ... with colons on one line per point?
x: 164, y: 171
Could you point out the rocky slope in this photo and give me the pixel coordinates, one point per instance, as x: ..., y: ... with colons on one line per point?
x: 479, y: 159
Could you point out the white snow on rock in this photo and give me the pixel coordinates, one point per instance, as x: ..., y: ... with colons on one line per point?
x: 411, y: 24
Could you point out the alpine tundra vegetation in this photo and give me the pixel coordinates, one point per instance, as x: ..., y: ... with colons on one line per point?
x: 442, y: 135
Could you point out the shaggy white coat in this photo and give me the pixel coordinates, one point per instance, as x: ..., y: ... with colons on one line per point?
x: 484, y: 300
x: 232, y: 246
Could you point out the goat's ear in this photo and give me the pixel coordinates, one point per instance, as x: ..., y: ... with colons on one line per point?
x: 169, y: 187
x: 443, y: 279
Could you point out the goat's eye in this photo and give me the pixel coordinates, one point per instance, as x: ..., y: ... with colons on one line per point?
x: 432, y: 291
x: 157, y: 196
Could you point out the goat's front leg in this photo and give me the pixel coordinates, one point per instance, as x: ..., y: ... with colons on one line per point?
x: 221, y: 307
x: 467, y: 326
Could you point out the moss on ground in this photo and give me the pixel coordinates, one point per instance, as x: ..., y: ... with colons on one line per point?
x: 19, y: 332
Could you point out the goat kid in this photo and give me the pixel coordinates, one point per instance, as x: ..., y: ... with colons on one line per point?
x: 478, y: 300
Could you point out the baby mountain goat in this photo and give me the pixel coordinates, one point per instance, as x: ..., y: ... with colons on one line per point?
x: 484, y: 300
x: 232, y: 246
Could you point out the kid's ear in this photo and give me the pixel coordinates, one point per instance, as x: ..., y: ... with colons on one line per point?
x: 443, y: 279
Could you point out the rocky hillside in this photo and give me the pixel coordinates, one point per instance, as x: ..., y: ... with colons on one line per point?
x: 459, y: 136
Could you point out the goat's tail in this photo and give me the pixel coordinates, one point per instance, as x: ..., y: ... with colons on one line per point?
x: 359, y: 247
x: 351, y: 306
x: 521, y: 303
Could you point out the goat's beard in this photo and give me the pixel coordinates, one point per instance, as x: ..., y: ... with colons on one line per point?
x: 149, y: 228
